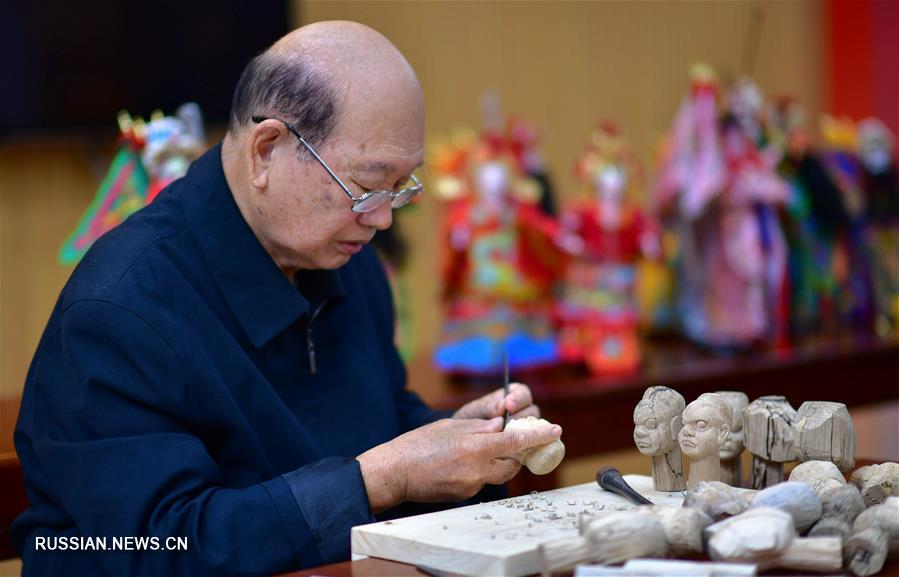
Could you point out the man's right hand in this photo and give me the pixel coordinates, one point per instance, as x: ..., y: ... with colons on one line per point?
x: 448, y: 460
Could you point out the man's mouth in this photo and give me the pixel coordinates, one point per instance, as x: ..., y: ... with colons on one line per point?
x: 351, y: 247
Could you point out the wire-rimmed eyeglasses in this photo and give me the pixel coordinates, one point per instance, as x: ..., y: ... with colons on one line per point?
x: 367, y: 201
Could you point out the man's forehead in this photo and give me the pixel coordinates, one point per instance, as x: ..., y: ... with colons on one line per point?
x: 386, y: 161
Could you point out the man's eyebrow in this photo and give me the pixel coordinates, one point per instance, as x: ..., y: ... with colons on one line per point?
x: 384, y: 167
x: 379, y: 167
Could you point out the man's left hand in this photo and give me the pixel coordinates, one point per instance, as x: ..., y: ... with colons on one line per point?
x: 519, y: 403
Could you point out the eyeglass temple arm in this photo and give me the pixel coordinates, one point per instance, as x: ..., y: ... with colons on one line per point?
x: 311, y: 150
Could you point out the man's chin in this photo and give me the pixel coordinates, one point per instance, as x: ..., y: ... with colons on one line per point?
x: 337, y: 261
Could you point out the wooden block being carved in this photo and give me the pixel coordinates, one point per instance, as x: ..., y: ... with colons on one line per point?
x: 542, y: 459
x: 824, y: 432
x: 769, y: 436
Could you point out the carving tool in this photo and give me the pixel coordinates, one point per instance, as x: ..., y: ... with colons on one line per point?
x: 505, y: 388
x: 610, y: 479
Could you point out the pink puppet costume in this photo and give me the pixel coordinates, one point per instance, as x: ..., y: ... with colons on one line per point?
x: 721, y: 193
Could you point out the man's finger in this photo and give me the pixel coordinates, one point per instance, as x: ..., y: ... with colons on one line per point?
x: 501, y: 470
x: 529, y: 411
x: 494, y: 425
x: 509, y: 443
x: 519, y: 397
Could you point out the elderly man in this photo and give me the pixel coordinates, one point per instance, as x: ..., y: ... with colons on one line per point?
x: 217, y: 390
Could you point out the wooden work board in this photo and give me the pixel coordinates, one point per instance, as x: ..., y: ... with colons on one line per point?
x: 498, y: 538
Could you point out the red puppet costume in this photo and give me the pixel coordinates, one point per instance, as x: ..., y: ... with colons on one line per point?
x: 606, y: 233
x: 500, y: 263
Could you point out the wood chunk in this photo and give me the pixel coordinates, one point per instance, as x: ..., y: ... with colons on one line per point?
x: 611, y: 539
x: 866, y: 551
x: 757, y: 536
x: 843, y: 503
x: 821, y: 476
x: 831, y: 527
x: 683, y: 527
x: 769, y: 436
x: 886, y: 516
x: 618, y: 537
x: 877, y: 482
x: 819, y: 554
x: 670, y: 567
x: 824, y: 432
x: 797, y: 499
x: 717, y: 500
x: 766, y: 536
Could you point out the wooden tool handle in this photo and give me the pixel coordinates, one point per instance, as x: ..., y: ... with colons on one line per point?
x: 611, y: 480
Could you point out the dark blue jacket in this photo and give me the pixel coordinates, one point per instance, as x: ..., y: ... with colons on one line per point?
x: 172, y: 395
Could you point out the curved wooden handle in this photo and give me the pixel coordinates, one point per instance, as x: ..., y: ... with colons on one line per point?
x: 610, y: 479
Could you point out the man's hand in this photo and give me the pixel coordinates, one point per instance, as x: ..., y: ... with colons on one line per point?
x: 519, y: 403
x: 448, y: 460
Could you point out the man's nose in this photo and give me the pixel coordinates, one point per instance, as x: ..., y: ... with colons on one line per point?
x: 380, y: 218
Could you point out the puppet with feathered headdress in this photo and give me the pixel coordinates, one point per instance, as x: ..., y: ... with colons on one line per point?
x: 606, y: 232
x: 499, y: 259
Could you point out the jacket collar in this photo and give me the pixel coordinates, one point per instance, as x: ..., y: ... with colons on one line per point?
x: 264, y: 301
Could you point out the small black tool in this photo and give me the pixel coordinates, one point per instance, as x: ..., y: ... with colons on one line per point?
x: 610, y: 479
x: 505, y: 387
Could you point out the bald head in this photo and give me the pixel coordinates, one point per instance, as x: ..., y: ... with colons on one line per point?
x: 345, y: 91
x: 323, y: 74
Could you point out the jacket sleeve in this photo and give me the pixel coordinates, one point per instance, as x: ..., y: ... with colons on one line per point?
x: 117, y: 432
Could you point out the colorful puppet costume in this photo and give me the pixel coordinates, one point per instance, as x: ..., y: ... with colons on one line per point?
x: 722, y: 194
x: 606, y: 233
x: 499, y: 263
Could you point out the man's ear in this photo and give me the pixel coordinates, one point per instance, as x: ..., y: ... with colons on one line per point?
x: 261, y: 151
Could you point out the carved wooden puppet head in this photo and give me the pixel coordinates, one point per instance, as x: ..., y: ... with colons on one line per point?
x: 657, y: 421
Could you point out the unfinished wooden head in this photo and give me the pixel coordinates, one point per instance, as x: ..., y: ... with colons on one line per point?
x: 706, y: 426
x: 657, y: 420
x: 733, y: 446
